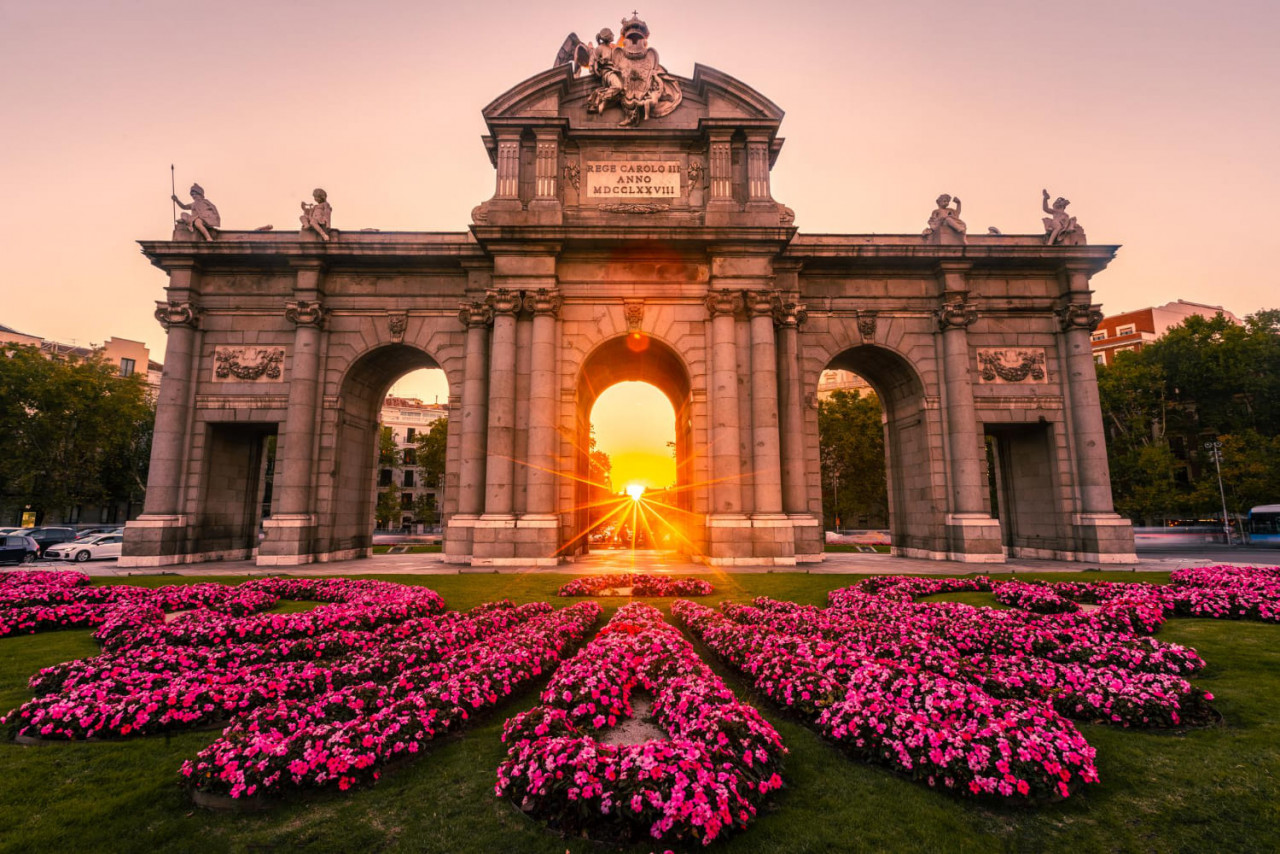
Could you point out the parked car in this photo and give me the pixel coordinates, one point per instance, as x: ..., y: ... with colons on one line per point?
x: 94, y: 532
x: 91, y: 548
x: 48, y: 535
x: 15, y: 548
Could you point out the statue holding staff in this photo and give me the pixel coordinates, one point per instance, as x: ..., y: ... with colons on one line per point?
x: 203, y: 216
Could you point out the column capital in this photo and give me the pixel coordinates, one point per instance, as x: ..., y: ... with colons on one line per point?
x: 1080, y: 316
x: 474, y: 313
x: 723, y: 301
x: 956, y: 315
x: 301, y: 312
x: 173, y: 313
x: 543, y: 301
x: 502, y: 301
x: 761, y: 303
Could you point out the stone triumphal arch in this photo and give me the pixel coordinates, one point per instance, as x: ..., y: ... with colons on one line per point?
x: 632, y: 234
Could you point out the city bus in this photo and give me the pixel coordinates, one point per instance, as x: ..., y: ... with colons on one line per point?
x: 1264, y: 525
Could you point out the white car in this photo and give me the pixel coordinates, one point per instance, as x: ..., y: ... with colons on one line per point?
x: 90, y: 548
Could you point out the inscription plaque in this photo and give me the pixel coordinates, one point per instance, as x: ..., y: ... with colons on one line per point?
x: 614, y: 180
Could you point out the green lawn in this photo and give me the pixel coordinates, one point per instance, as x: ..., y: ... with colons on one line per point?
x: 1208, y: 790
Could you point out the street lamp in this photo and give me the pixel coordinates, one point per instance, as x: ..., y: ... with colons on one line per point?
x: 1215, y: 454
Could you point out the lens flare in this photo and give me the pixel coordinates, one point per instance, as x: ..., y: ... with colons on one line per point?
x: 635, y: 490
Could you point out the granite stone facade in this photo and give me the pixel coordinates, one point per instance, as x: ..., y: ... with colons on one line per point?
x: 650, y: 252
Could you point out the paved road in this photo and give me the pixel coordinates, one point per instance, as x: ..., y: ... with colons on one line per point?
x: 1149, y: 560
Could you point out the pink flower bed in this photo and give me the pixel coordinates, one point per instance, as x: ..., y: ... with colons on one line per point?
x: 941, y: 730
x: 709, y: 777
x: 388, y: 707
x: 641, y: 584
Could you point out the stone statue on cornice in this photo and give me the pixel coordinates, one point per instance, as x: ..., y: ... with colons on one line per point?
x: 630, y: 76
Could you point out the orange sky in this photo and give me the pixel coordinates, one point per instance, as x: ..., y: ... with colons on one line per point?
x: 1159, y: 120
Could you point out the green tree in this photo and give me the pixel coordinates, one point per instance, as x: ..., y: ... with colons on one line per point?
x: 851, y: 450
x: 1207, y: 379
x: 432, y: 446
x: 424, y: 508
x: 387, y: 507
x: 75, y: 431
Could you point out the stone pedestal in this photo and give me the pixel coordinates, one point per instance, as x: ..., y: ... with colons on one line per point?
x: 155, y: 540
x: 289, y: 540
x: 1103, y: 538
x: 810, y: 542
x: 973, y: 538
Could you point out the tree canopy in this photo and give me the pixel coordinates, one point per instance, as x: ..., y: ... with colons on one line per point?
x: 74, y: 432
x: 1205, y: 380
x: 851, y: 448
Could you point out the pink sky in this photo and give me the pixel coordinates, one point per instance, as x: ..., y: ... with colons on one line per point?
x: 1159, y: 120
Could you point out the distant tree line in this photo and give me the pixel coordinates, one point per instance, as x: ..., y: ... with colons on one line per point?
x: 1205, y: 380
x: 74, y: 435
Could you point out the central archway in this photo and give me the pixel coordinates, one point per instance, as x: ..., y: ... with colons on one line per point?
x: 638, y: 357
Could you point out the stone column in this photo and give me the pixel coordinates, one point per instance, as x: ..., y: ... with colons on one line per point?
x: 725, y: 434
x: 500, y: 464
x: 544, y: 304
x: 972, y: 533
x: 475, y: 409
x: 765, y: 442
x: 291, y: 528
x: 1101, y: 534
x: 758, y: 170
x: 795, y: 493
x: 158, y: 536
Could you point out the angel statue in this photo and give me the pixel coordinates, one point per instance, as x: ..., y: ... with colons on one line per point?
x: 1060, y: 228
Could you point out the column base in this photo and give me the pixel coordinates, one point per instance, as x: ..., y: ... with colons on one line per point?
x: 974, y: 538
x: 154, y: 540
x: 810, y: 541
x: 289, y: 540
x: 1103, y: 538
x: 773, y: 538
x: 458, y: 538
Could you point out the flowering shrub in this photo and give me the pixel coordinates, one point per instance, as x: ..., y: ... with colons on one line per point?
x: 708, y: 777
x: 942, y: 730
x: 640, y: 584
x: 1031, y: 596
x: 348, y: 733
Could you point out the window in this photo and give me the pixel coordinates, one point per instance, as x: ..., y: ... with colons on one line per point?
x: 384, y: 477
x: 1127, y: 329
x: 126, y: 367
x: 408, y: 478
x: 406, y: 501
x: 1100, y: 358
x: 409, y: 434
x: 410, y: 457
x: 1100, y: 335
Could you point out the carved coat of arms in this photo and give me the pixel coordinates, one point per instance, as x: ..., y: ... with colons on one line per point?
x: 628, y: 74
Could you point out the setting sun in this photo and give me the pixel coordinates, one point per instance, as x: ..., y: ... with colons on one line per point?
x: 634, y: 424
x: 635, y: 490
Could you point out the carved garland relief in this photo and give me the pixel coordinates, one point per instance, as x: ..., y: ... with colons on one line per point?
x: 248, y: 364
x: 1002, y: 365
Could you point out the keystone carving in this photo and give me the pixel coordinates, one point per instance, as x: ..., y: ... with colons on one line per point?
x: 544, y: 301
x: 867, y: 326
x: 1080, y: 316
x: 475, y: 314
x: 397, y: 323
x: 171, y: 314
x: 1011, y: 365
x: 633, y: 311
x: 305, y: 313
x: 724, y: 302
x: 503, y: 301
x: 248, y: 364
x: 956, y: 315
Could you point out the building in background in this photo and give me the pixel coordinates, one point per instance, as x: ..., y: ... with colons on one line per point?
x: 408, y: 418
x: 129, y: 357
x: 1135, y: 329
x: 829, y: 382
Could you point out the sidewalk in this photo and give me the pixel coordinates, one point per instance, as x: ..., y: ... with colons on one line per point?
x: 836, y: 563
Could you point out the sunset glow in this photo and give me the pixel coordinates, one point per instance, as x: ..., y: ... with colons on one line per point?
x: 634, y: 423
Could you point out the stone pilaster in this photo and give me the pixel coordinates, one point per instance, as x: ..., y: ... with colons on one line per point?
x: 726, y: 491
x: 476, y: 317
x: 765, y: 439
x: 758, y: 191
x: 1100, y: 533
x: 789, y: 317
x: 544, y: 304
x: 972, y: 534
x: 290, y: 531
x: 158, y: 536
